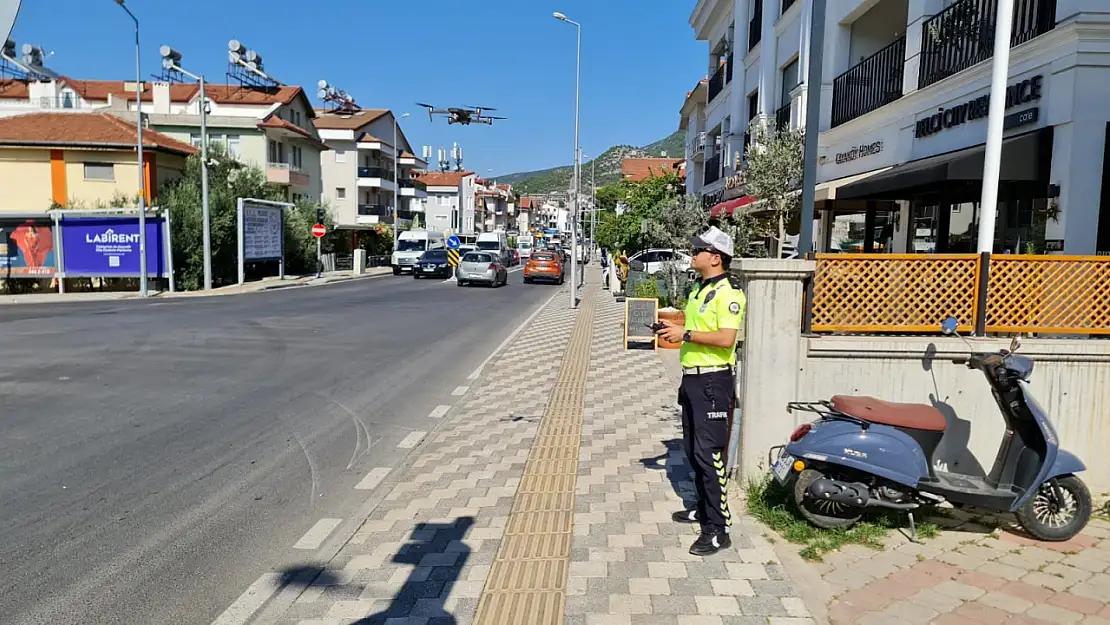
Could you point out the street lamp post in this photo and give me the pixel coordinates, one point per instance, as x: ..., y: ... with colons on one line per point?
x: 171, y: 60
x: 139, y: 147
x: 396, y: 167
x: 574, y: 223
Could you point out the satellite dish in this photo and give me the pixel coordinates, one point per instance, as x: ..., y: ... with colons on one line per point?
x: 322, y: 94
x: 322, y: 85
x: 9, y: 9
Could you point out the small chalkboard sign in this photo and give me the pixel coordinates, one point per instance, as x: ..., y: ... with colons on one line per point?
x: 639, y: 313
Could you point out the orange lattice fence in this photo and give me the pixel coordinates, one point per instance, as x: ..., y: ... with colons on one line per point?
x: 893, y: 293
x: 1049, y: 294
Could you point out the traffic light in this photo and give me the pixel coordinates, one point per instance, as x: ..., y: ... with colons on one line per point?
x: 319, y: 215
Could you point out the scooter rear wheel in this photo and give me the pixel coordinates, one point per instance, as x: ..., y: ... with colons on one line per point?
x: 824, y: 514
x: 1047, y: 519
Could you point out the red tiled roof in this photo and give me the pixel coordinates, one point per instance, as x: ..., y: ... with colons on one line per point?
x: 637, y: 169
x: 278, y: 123
x: 82, y: 130
x: 99, y: 90
x: 444, y: 178
x: 335, y: 120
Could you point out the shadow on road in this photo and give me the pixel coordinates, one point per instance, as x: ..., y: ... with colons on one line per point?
x: 438, y: 553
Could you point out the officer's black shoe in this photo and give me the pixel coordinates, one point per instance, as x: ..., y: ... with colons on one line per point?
x: 685, y: 516
x: 710, y: 542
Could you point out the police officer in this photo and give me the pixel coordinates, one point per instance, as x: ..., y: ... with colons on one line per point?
x: 714, y: 312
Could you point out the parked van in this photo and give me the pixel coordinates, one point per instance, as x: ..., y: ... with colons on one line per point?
x: 524, y: 246
x: 410, y: 245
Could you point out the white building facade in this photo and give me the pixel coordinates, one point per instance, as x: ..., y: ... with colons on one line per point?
x: 451, y: 200
x: 904, y: 96
x: 359, y: 168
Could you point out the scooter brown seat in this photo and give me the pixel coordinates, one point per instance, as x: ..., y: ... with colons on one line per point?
x: 912, y: 416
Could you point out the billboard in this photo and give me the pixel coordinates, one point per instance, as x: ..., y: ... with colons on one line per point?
x: 109, y: 247
x: 27, y: 248
x: 263, y: 235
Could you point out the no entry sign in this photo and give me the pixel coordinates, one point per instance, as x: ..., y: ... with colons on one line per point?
x: 319, y: 230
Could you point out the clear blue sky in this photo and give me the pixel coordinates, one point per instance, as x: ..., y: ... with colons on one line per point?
x: 639, y: 58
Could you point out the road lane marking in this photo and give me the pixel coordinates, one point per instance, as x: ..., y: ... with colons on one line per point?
x: 373, y: 478
x: 474, y: 375
x: 253, y: 598
x: 319, y: 532
x: 440, y: 410
x: 412, y: 440
x: 460, y: 390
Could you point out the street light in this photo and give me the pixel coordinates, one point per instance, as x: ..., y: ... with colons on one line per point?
x: 577, y: 164
x: 171, y: 60
x: 396, y: 166
x: 139, y: 147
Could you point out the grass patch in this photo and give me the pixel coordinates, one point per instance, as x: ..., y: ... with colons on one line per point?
x: 774, y: 506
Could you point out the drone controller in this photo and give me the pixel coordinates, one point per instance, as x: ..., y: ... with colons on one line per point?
x: 655, y: 327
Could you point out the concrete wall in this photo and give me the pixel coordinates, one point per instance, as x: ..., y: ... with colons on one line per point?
x: 1071, y: 380
x: 341, y: 174
x: 25, y: 179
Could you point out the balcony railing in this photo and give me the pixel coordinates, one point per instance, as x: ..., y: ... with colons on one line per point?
x: 755, y: 27
x: 712, y: 170
x: 728, y: 69
x: 375, y: 172
x: 385, y: 213
x: 717, y: 83
x: 412, y: 183
x: 876, y: 81
x: 963, y: 34
x: 782, y: 117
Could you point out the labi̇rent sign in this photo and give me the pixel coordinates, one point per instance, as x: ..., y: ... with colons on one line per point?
x: 109, y: 247
x: 1023, y: 92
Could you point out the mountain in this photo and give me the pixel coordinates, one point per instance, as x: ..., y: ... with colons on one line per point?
x: 608, y: 167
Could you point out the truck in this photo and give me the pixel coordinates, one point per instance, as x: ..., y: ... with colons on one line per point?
x: 410, y: 245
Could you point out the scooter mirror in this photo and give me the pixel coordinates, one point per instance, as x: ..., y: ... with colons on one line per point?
x: 1015, y: 344
x: 949, y: 325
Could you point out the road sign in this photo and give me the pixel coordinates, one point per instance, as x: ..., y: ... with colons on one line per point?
x: 453, y: 257
x: 453, y: 242
x: 319, y: 230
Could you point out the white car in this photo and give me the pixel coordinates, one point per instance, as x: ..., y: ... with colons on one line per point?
x: 653, y: 259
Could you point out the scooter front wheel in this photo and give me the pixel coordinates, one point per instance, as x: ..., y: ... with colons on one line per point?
x: 824, y: 514
x: 1048, y: 517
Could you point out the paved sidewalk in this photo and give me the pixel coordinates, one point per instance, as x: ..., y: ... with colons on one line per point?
x: 980, y: 570
x: 486, y: 527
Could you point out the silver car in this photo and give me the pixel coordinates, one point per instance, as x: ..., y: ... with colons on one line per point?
x: 483, y: 267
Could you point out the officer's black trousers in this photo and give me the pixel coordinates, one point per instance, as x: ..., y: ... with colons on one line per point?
x: 706, y: 401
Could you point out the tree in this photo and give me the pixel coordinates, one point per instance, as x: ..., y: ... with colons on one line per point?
x: 774, y: 175
x: 228, y: 180
x: 642, y: 200
x: 677, y: 220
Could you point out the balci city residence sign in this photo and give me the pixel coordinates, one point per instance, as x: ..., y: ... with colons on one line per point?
x: 1025, y: 91
x: 860, y: 151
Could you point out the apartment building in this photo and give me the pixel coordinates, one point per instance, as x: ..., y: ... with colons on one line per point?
x: 496, y: 207
x: 360, y: 165
x: 269, y: 127
x: 80, y: 160
x: 904, y: 96
x: 451, y: 200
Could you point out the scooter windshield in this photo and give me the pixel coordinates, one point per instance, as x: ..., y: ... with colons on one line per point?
x: 1019, y: 365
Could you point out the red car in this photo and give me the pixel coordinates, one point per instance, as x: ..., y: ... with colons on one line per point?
x: 516, y: 257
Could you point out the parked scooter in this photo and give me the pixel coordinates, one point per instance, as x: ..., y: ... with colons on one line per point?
x: 868, y: 453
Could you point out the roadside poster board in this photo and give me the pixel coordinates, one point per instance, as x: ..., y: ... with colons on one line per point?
x: 639, y: 313
x: 27, y: 248
x: 108, y: 247
x: 263, y: 234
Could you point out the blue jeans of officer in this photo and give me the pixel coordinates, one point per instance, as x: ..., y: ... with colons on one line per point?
x: 706, y: 401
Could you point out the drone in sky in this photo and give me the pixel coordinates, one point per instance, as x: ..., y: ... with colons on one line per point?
x: 464, y: 115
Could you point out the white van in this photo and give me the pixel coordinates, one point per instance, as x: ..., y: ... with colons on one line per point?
x: 524, y: 246
x: 497, y: 242
x: 410, y: 245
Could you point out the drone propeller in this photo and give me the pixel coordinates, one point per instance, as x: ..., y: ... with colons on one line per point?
x: 484, y: 108
x: 427, y: 106
x: 493, y: 117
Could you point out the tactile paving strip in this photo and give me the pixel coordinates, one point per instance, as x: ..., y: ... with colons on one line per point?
x: 527, y: 581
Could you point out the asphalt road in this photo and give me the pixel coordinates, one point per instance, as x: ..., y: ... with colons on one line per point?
x: 157, y: 457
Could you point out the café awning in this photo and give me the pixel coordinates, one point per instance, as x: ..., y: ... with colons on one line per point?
x: 725, y: 209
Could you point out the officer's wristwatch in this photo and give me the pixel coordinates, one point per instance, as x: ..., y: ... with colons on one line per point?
x: 686, y: 338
